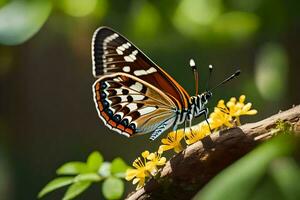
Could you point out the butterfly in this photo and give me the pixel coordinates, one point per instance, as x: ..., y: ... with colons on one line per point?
x: 133, y: 95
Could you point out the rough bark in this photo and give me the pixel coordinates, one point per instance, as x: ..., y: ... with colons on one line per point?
x: 187, y: 172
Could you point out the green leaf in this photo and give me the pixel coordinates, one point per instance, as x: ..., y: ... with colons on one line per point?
x: 20, y: 20
x: 94, y: 161
x: 92, y: 177
x: 247, y: 172
x: 76, y: 189
x: 286, y: 174
x: 55, y: 184
x: 113, y: 188
x: 118, y: 167
x: 72, y: 168
x: 104, y: 170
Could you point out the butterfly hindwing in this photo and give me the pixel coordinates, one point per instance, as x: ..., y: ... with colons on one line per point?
x: 130, y: 105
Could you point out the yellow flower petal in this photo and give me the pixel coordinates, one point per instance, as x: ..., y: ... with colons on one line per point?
x: 178, y: 148
x: 251, y: 112
x: 162, y: 161
x: 242, y: 98
x: 140, y: 184
x: 232, y: 99
x: 172, y: 141
x: 221, y: 103
x: 130, y: 173
x: 247, y: 107
x: 164, y: 147
x: 145, y: 154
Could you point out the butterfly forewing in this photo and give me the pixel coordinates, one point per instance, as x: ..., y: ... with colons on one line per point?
x: 114, y: 53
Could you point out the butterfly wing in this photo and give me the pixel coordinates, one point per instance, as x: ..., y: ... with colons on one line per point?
x: 113, y: 53
x: 132, y: 106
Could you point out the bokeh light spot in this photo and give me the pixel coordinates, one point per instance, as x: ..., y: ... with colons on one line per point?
x: 271, y: 71
x: 195, y: 16
x: 20, y: 20
x: 78, y: 8
x: 236, y: 25
x: 146, y: 21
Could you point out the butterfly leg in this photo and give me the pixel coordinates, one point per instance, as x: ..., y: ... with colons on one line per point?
x: 190, y: 125
x: 206, y: 118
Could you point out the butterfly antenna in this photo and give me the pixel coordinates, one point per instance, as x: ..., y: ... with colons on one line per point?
x: 210, y: 67
x: 237, y: 73
x: 196, y: 75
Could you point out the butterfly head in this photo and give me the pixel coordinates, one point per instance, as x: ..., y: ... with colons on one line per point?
x: 205, y: 96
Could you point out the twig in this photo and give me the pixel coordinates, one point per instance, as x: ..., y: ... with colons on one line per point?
x: 187, y: 172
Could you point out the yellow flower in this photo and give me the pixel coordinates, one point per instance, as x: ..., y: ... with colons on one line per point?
x: 155, y: 159
x: 140, y: 172
x: 196, y: 132
x: 172, y: 141
x: 236, y: 109
x: 220, y: 117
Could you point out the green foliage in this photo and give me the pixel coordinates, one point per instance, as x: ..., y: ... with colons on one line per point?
x: 118, y: 167
x: 20, y: 20
x: 72, y: 168
x: 258, y: 175
x: 93, y: 171
x: 55, y: 184
x: 94, y: 161
x: 284, y: 127
x: 75, y: 189
x: 113, y: 188
x: 105, y: 169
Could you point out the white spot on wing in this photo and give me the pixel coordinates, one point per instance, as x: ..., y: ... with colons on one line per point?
x: 126, y: 69
x: 119, y: 52
x: 151, y: 70
x: 137, y: 86
x: 120, y: 113
x: 137, y: 97
x: 132, y: 106
x: 118, y: 90
x: 123, y: 98
x: 129, y: 118
x: 142, y: 72
x: 146, y: 110
x: 131, y: 57
x: 128, y: 59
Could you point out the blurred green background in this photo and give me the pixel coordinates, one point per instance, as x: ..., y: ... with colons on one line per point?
x: 47, y: 114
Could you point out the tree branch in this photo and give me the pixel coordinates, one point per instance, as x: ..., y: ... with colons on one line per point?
x: 187, y: 172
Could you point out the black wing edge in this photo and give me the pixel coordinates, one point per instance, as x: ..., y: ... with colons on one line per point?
x: 97, y: 48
